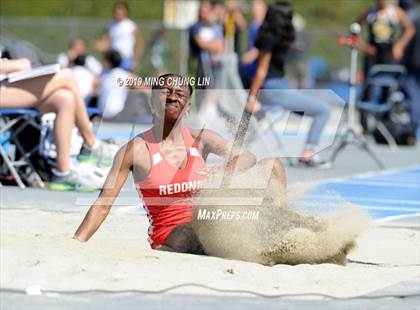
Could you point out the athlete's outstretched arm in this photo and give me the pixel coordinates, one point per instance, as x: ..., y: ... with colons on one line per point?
x: 97, y: 213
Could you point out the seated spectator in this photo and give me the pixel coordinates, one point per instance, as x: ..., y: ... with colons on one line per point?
x: 114, y: 85
x: 112, y: 95
x: 85, y: 80
x: 86, y: 68
x: 274, y: 39
x: 57, y: 93
x: 77, y: 48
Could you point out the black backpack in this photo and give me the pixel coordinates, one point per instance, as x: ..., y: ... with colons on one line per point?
x: 399, y: 126
x: 23, y: 49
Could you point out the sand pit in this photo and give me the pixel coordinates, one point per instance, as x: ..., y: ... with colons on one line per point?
x: 37, y: 249
x: 281, y: 232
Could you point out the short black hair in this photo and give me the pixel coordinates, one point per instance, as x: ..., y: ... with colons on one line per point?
x: 113, y: 57
x: 185, y: 81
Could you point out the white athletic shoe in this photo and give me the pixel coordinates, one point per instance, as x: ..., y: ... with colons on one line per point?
x: 101, y: 153
x: 84, y: 178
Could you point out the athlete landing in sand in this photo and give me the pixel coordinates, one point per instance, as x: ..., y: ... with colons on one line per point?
x: 168, y: 165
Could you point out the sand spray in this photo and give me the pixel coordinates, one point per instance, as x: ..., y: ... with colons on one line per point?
x: 284, y: 232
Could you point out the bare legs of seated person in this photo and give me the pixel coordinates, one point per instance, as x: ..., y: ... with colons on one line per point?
x: 56, y: 93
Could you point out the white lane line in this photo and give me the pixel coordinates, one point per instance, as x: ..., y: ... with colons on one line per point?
x: 413, y: 202
x: 392, y: 209
x: 408, y: 169
x: 368, y: 174
x: 369, y: 207
x: 394, y: 177
x: 379, y: 184
x: 139, y: 208
x: 127, y: 209
x: 397, y: 217
x: 389, y: 179
x: 121, y: 201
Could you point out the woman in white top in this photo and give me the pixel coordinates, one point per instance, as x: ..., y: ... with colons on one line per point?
x: 124, y: 37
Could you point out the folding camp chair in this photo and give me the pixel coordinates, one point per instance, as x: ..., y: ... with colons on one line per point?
x: 13, y: 122
x: 93, y: 112
x: 380, y: 79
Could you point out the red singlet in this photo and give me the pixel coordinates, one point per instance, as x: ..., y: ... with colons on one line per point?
x: 167, y: 190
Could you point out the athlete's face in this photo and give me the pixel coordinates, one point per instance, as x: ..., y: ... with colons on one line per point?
x: 170, y: 102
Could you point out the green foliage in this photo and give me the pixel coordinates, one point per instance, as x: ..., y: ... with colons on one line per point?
x: 330, y: 12
x: 139, y: 9
x: 316, y: 12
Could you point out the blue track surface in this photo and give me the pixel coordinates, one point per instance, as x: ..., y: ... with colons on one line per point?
x: 383, y: 194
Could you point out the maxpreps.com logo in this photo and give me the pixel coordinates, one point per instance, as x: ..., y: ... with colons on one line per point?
x: 220, y: 214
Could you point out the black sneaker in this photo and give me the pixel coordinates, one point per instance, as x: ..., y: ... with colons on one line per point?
x: 317, y: 164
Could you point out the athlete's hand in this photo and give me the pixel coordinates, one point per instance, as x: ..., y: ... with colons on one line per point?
x: 78, y: 239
